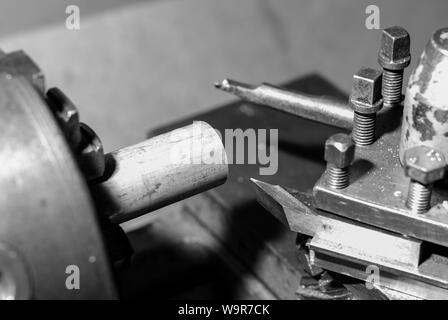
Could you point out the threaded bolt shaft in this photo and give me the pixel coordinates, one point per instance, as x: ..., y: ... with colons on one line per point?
x: 364, y: 128
x: 337, y: 177
x: 419, y: 197
x: 392, y: 86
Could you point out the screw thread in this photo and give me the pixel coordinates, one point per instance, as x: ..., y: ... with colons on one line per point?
x: 419, y: 197
x: 337, y: 177
x: 392, y: 86
x: 364, y: 129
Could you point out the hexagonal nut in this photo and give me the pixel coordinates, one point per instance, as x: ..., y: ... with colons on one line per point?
x: 90, y: 154
x: 424, y: 164
x: 366, y: 91
x: 395, y: 48
x: 340, y: 150
x: 66, y: 114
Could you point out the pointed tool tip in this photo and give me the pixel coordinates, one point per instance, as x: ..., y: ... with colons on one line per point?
x: 253, y: 180
x: 261, y: 185
x: 259, y: 182
x: 223, y: 85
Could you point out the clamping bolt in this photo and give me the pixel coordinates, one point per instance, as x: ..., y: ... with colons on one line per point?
x: 424, y: 165
x: 366, y: 101
x: 394, y: 56
x: 339, y: 154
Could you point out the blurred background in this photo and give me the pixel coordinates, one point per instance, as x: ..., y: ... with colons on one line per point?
x: 138, y: 64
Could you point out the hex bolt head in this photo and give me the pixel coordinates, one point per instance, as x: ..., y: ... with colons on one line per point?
x: 339, y: 150
x: 90, y: 155
x: 66, y: 114
x: 424, y: 164
x: 395, y: 51
x: 394, y: 56
x: 366, y: 91
x: 339, y: 154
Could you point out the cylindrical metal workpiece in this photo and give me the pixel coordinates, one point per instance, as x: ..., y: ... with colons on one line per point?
x: 160, y: 171
x: 425, y: 114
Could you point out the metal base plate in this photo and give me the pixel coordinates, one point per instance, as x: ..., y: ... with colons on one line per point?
x: 377, y: 194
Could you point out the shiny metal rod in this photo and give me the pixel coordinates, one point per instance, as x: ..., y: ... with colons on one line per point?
x: 322, y: 109
x: 160, y: 171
